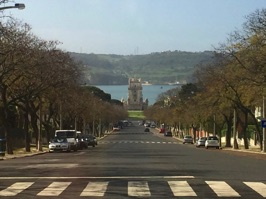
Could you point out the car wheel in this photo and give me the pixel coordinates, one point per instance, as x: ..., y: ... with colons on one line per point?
x: 217, y: 147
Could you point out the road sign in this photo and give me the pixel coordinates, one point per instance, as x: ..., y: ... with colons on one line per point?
x: 263, y: 123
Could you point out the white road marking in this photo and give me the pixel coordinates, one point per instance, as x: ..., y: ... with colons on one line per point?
x: 34, y: 166
x: 54, y: 189
x: 259, y: 187
x: 138, y: 189
x: 15, y: 188
x: 95, y: 189
x: 99, y: 177
x: 181, y: 188
x: 222, y: 189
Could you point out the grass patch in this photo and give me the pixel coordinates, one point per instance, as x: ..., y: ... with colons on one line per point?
x: 136, y: 114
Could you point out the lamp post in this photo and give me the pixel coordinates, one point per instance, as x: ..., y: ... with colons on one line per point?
x: 19, y: 6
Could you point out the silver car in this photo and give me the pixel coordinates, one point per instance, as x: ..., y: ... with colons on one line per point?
x: 59, y: 144
x: 188, y: 139
x: 201, y: 141
x: 212, y: 141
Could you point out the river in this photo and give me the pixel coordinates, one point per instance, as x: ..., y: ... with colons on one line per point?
x: 150, y: 92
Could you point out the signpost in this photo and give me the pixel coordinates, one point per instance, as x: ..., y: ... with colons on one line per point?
x: 263, y: 123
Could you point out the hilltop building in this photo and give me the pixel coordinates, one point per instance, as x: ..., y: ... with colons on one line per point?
x: 135, y: 98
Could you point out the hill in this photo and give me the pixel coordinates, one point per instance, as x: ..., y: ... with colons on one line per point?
x: 156, y: 68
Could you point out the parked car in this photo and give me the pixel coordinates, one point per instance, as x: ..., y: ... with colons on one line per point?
x: 116, y: 127
x: 95, y: 140
x: 188, y: 139
x: 90, y: 140
x: 59, y: 144
x: 82, y: 142
x: 162, y: 130
x: 147, y: 124
x: 147, y: 130
x: 153, y: 125
x: 201, y: 142
x: 168, y: 134
x: 212, y: 141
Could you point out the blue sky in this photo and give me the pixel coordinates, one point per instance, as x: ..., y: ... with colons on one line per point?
x: 135, y: 26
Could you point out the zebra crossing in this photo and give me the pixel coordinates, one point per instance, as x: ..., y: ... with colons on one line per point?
x: 135, y: 188
x: 136, y: 142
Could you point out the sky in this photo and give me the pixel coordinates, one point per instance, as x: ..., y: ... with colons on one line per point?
x: 130, y: 27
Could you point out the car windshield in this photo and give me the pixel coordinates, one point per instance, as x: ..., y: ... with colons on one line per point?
x: 212, y: 138
x: 58, y: 140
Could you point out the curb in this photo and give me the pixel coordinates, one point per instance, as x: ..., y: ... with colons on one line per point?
x: 14, y: 156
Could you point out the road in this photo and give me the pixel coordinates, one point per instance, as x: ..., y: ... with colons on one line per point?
x: 132, y: 163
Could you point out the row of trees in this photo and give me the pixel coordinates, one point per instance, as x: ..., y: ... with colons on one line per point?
x: 233, y: 84
x: 40, y: 89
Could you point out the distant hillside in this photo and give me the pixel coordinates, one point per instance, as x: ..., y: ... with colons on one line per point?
x: 156, y: 68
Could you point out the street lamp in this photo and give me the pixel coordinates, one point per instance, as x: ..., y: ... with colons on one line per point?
x: 19, y: 6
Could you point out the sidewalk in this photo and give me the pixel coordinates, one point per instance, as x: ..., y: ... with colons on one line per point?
x: 21, y: 153
x: 252, y: 149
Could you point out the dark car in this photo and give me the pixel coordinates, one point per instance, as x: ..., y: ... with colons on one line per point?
x: 90, y: 139
x: 146, y: 130
x: 168, y: 133
x: 95, y: 140
x: 82, y: 142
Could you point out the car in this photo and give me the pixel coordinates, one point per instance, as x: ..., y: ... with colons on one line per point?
x: 147, y: 124
x: 116, y: 127
x: 147, y: 130
x: 212, y: 141
x: 201, y: 142
x: 90, y: 139
x: 82, y: 142
x: 168, y: 134
x: 188, y: 139
x: 59, y: 144
x: 95, y: 140
x: 153, y: 125
x: 162, y: 130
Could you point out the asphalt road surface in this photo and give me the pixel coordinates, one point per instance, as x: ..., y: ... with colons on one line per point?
x: 131, y: 163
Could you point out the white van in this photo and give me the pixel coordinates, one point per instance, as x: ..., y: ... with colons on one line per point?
x: 70, y: 135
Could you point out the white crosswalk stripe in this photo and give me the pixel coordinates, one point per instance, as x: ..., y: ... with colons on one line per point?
x: 15, y: 188
x: 179, y: 188
x: 95, y: 189
x: 259, y: 187
x: 138, y: 189
x: 222, y: 189
x: 54, y: 189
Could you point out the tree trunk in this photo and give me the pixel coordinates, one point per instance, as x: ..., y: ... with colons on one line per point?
x: 235, y: 146
x: 229, y: 129
x: 26, y: 129
x: 246, y: 144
